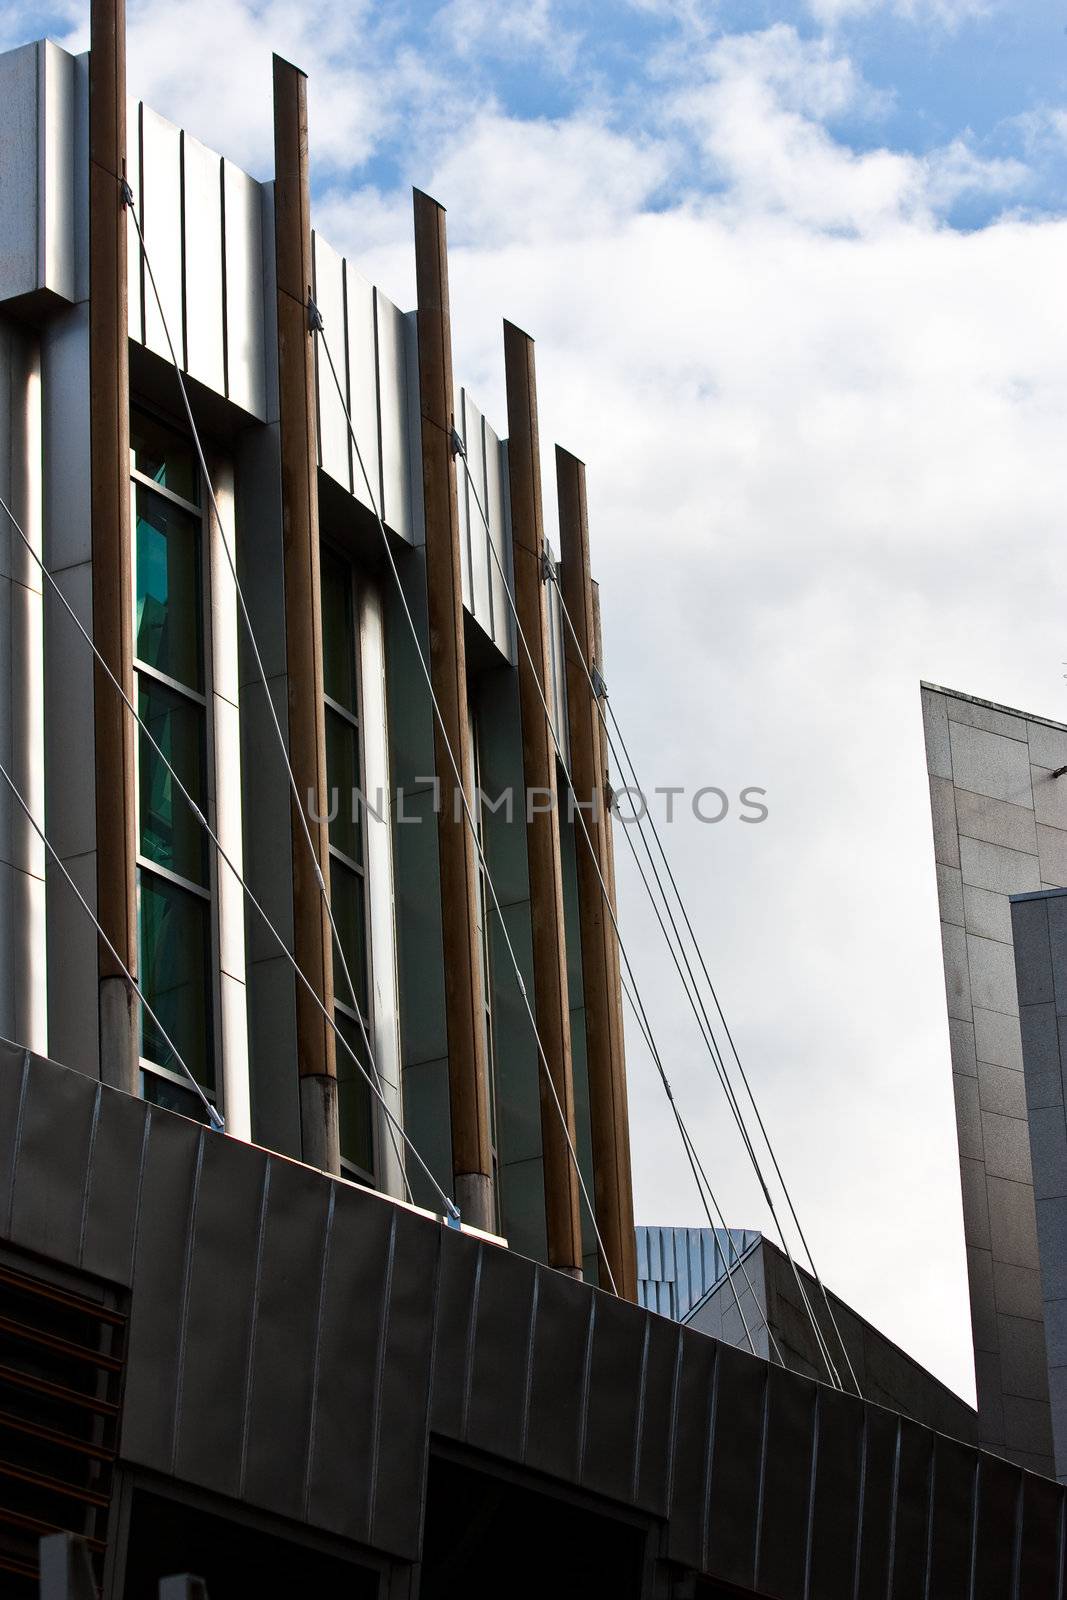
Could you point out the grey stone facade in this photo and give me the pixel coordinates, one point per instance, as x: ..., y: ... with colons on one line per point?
x: 1039, y: 923
x: 1000, y: 829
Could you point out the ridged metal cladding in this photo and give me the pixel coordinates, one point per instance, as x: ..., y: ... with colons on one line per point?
x: 295, y: 1342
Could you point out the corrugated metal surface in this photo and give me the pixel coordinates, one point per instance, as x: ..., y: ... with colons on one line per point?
x: 677, y: 1266
x: 284, y: 1328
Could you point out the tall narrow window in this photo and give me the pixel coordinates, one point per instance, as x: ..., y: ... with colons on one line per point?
x: 348, y: 893
x: 484, y: 939
x: 174, y: 903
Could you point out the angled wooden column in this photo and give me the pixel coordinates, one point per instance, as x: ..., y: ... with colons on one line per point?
x: 609, y: 1126
x: 312, y: 937
x: 109, y: 447
x: 551, y: 1004
x: 468, y: 1077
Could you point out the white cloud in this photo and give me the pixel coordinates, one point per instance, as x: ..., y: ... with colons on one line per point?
x: 949, y: 14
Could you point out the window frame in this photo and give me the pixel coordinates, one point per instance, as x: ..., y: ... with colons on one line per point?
x: 350, y: 1169
x: 203, y: 699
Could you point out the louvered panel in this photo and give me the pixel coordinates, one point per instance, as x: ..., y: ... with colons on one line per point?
x: 61, y: 1358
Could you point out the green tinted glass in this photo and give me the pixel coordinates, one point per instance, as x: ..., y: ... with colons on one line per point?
x: 174, y: 944
x: 346, y: 898
x: 169, y: 611
x: 168, y: 457
x: 342, y: 773
x: 338, y: 631
x: 170, y: 834
x: 355, y: 1111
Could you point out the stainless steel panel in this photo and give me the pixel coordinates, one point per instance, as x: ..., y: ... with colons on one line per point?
x: 397, y: 462
x: 19, y: 179
x: 363, y: 387
x: 500, y: 580
x: 202, y: 196
x: 465, y: 509
x: 135, y: 273
x: 161, y: 223
x: 56, y: 265
x: 245, y: 358
x: 480, y: 536
x: 335, y: 455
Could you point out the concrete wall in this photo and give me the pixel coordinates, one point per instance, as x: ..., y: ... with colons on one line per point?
x: 1039, y: 924
x: 1000, y: 828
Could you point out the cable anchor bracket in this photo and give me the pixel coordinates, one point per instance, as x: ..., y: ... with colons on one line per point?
x: 548, y: 566
x: 127, y: 195
x: 600, y: 686
x: 315, y: 322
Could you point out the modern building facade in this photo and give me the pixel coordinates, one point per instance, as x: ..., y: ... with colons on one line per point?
x: 1000, y: 830
x: 1038, y: 929
x: 263, y: 620
x: 310, y: 1203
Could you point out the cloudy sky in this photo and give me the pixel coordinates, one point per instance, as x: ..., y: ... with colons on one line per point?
x: 796, y: 274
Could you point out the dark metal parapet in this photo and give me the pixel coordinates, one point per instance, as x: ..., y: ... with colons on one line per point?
x: 294, y: 1342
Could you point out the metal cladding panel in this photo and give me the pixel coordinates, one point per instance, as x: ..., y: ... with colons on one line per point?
x: 109, y: 1223
x: 458, y: 1292
x: 396, y: 455
x: 465, y: 511
x: 999, y: 1496
x: 657, y: 1432
x: 478, y: 502
x: 55, y: 1120
x: 242, y: 200
x: 293, y: 1246
x: 56, y: 247
x: 1041, y: 1553
x: 561, y: 728
x: 404, y: 1393
x: 562, y: 1338
x: 335, y: 455
x: 205, y: 356
x: 363, y: 386
x: 161, y: 223
x: 616, y: 1398
x: 694, y: 1423
x: 786, y: 1500
x: 217, y: 1315
x: 135, y: 273
x: 911, y: 1530
x: 501, y: 583
x: 737, y: 1465
x: 951, y: 1513
x: 19, y: 177
x: 167, y: 1203
x: 502, y: 1343
x: 835, y: 1507
x: 878, y: 1487
x: 348, y: 1361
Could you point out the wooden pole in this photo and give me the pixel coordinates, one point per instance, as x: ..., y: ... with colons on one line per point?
x: 551, y: 1005
x: 112, y: 582
x: 609, y: 1125
x: 312, y: 937
x: 468, y: 1077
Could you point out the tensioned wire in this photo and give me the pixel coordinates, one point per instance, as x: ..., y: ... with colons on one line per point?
x: 213, y: 1115
x: 129, y: 203
x: 318, y: 326
x: 730, y: 1038
x: 629, y: 981
x: 703, y: 1021
x: 217, y: 1121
